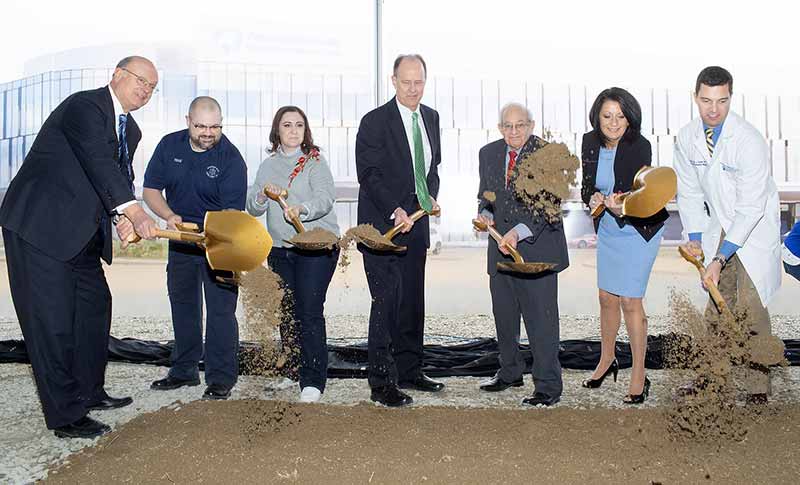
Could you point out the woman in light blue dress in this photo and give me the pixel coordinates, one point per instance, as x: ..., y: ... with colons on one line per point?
x: 612, y: 153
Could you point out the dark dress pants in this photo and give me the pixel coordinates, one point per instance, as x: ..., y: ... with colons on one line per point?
x: 397, y: 315
x: 535, y: 297
x: 189, y: 278
x: 64, y: 311
x: 306, y: 275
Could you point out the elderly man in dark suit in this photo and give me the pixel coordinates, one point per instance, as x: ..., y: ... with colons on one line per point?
x: 534, y: 297
x: 56, y: 219
x: 397, y: 154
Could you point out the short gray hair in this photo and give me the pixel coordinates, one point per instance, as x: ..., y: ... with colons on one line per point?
x: 513, y: 105
x: 204, y: 102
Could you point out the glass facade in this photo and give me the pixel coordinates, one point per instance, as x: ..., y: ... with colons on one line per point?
x: 250, y: 95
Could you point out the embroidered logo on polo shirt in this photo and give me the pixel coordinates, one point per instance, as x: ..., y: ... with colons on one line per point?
x: 212, y: 172
x: 177, y: 160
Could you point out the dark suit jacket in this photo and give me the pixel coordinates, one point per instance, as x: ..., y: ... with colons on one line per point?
x: 70, y: 178
x: 629, y: 158
x: 547, y: 244
x: 385, y: 171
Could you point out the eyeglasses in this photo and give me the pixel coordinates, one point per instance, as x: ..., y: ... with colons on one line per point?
x: 142, y: 81
x: 207, y: 127
x: 511, y: 127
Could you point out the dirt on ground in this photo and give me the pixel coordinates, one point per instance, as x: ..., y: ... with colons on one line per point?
x: 257, y: 441
x: 544, y: 179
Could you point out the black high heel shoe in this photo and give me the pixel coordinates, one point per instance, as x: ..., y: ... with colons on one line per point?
x: 638, y: 398
x: 595, y: 383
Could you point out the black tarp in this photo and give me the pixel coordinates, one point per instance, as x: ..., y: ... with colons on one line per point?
x: 473, y: 357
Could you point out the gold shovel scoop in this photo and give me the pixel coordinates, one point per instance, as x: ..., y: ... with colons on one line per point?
x: 327, y: 238
x: 383, y: 242
x: 653, y: 188
x: 519, y: 265
x: 233, y: 240
x: 716, y: 296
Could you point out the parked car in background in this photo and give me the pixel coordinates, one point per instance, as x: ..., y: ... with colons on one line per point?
x: 584, y: 241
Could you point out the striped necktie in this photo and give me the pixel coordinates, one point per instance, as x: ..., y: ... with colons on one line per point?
x: 710, y: 140
x: 124, y: 157
x: 420, y: 180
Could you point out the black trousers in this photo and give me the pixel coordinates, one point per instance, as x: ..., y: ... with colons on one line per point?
x: 306, y: 275
x: 397, y: 315
x: 64, y: 311
x: 189, y: 278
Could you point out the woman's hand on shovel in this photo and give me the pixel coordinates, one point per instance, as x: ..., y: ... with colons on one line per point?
x: 292, y: 212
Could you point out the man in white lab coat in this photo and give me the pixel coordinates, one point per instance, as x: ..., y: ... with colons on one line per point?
x: 729, y: 206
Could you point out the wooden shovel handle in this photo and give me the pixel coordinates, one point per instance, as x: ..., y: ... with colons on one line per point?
x: 601, y: 207
x: 497, y: 237
x: 279, y: 197
x: 719, y: 301
x: 191, y: 237
x: 414, y: 218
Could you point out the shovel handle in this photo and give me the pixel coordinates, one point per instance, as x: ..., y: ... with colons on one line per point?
x: 280, y: 198
x: 191, y: 237
x: 497, y: 237
x: 601, y: 207
x: 414, y: 218
x: 719, y: 301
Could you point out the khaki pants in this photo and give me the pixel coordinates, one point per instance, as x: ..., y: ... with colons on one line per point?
x: 740, y: 294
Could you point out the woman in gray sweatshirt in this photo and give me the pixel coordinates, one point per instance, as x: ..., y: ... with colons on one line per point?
x: 296, y: 164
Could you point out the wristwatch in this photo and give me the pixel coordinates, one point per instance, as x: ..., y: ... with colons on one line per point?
x: 721, y: 260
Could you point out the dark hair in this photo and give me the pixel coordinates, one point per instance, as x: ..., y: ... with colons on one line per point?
x: 308, y: 142
x: 714, y: 76
x: 403, y: 57
x: 629, y: 106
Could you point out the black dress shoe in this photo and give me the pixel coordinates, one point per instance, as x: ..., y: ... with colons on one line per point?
x: 168, y: 383
x: 496, y: 384
x: 422, y: 383
x: 390, y: 396
x: 541, y: 399
x: 85, y: 427
x: 758, y: 399
x: 217, y: 391
x: 110, y: 403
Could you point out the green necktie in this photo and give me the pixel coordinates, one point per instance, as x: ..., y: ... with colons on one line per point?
x: 710, y: 140
x: 420, y: 180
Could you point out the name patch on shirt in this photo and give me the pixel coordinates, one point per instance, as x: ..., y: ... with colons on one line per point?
x: 212, y: 172
x: 177, y: 160
x: 728, y: 168
x: 698, y: 163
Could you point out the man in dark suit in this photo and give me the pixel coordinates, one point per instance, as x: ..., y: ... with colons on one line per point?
x: 397, y: 154
x: 533, y: 296
x: 56, y: 219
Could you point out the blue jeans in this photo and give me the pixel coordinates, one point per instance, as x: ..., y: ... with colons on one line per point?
x: 189, y: 278
x: 306, y: 275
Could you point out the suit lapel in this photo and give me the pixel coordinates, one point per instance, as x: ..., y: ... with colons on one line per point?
x: 433, y: 134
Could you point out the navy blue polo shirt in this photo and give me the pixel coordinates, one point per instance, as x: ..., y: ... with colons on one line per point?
x: 197, y: 182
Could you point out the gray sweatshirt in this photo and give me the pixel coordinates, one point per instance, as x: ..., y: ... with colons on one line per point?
x: 312, y: 189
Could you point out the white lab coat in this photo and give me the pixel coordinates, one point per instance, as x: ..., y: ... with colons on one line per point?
x: 741, y: 195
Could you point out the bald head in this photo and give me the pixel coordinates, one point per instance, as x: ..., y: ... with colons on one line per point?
x: 205, y: 123
x: 134, y: 81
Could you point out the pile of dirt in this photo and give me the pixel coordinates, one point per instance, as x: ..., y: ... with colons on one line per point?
x: 545, y: 177
x: 268, y: 442
x: 316, y: 238
x: 266, y: 305
x: 718, y: 349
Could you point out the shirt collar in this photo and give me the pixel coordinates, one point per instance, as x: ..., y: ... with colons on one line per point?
x: 405, y: 111
x: 117, y: 105
x: 717, y: 129
x: 283, y: 152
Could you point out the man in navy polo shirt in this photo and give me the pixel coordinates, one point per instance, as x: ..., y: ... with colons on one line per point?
x: 200, y: 170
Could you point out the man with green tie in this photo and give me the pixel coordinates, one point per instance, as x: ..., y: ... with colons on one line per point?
x: 729, y: 207
x: 397, y: 158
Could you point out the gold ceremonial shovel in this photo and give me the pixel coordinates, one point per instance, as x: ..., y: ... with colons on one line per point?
x: 653, y: 188
x: 519, y: 265
x: 330, y: 239
x: 383, y: 242
x: 716, y: 296
x: 233, y: 240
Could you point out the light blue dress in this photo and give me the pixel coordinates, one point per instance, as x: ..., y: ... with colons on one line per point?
x: 624, y: 258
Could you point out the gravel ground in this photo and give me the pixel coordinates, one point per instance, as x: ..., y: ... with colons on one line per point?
x: 28, y: 448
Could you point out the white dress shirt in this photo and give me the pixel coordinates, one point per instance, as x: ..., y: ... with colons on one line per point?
x: 405, y: 114
x: 118, y: 111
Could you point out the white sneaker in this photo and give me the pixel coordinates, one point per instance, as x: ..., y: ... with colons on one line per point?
x: 310, y: 394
